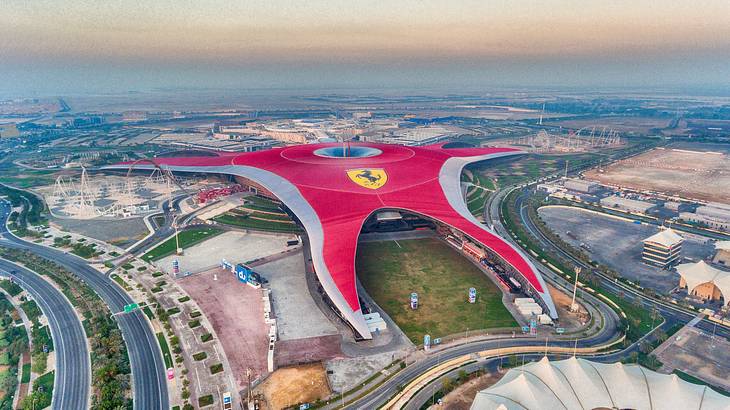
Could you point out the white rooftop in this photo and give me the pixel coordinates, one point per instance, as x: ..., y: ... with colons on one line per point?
x: 696, y: 274
x: 581, y: 384
x: 666, y: 237
x: 722, y: 245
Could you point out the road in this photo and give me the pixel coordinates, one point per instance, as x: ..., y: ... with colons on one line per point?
x: 148, y: 369
x: 669, y: 311
x: 73, y: 369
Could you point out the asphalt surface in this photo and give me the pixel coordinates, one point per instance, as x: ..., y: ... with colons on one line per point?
x: 148, y: 369
x: 73, y: 369
x: 670, y: 312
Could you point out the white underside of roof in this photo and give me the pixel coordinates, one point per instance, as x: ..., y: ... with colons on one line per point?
x: 451, y: 172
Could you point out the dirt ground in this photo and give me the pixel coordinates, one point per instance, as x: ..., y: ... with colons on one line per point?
x: 462, y: 397
x: 689, y: 174
x: 292, y: 385
x: 568, y: 320
x: 236, y: 312
x: 311, y: 349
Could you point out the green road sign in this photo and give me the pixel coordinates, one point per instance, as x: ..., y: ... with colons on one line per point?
x: 130, y: 307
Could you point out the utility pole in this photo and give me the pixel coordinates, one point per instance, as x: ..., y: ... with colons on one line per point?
x: 573, y: 305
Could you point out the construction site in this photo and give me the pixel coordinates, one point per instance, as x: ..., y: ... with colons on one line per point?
x: 583, y: 140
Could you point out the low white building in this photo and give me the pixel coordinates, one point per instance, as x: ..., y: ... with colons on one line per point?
x: 628, y: 205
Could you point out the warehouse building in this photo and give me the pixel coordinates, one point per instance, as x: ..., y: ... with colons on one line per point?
x: 662, y: 249
x: 580, y: 185
x: 628, y: 205
x: 704, y: 280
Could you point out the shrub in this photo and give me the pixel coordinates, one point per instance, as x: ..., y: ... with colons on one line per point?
x: 216, y: 368
x: 200, y: 356
x: 206, y: 337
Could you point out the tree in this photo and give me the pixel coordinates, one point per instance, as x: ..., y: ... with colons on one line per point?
x: 447, y: 384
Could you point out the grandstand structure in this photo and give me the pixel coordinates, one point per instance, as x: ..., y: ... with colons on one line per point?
x: 333, y: 188
x: 662, y: 249
x: 579, y: 384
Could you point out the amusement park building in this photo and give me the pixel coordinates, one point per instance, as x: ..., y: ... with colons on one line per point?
x: 332, y: 189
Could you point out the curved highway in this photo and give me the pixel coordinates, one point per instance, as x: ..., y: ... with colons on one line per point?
x: 145, y: 357
x: 669, y: 311
x: 73, y: 370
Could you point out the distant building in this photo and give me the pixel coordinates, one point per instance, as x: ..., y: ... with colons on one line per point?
x: 710, y: 216
x: 722, y: 253
x: 625, y: 204
x: 662, y: 249
x: 9, y: 131
x: 704, y: 280
x: 134, y: 116
x: 675, y: 206
x: 580, y: 185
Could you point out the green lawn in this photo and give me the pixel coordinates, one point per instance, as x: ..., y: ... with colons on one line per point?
x: 165, y: 350
x: 188, y: 238
x: 441, y: 276
x: 271, y: 224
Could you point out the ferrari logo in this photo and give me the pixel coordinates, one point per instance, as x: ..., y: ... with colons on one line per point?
x: 371, y: 178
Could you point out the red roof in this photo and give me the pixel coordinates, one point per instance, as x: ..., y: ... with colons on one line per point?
x: 342, y: 205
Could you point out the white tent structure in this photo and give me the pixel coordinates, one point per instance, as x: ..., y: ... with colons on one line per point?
x: 581, y: 384
x: 696, y: 274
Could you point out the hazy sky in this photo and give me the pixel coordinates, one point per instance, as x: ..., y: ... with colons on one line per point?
x: 58, y: 46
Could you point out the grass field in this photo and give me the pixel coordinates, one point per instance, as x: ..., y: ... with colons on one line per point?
x: 272, y: 223
x: 188, y: 238
x: 441, y: 276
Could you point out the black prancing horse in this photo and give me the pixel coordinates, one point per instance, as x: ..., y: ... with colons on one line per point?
x: 367, y: 174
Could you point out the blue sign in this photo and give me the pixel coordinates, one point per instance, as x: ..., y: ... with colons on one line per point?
x: 243, y: 272
x: 226, y: 400
x: 525, y: 329
x: 427, y: 340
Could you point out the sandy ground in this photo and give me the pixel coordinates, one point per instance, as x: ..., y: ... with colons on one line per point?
x: 297, y: 316
x: 624, y: 254
x: 697, y: 353
x: 233, y: 246
x: 236, y: 312
x: 292, y: 385
x: 462, y: 397
x: 568, y: 320
x: 690, y: 174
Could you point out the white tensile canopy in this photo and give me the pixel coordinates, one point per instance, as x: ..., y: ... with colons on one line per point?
x: 581, y: 384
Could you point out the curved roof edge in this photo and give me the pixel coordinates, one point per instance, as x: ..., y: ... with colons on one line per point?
x: 577, y: 383
x: 293, y: 199
x: 451, y: 171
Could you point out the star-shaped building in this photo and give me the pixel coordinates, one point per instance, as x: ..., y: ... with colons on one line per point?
x: 332, y: 189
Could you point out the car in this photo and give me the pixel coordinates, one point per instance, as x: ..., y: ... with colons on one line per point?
x: 170, y: 374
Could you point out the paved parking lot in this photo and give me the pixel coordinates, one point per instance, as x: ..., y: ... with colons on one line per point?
x: 297, y: 316
x: 234, y: 246
x: 618, y: 244
x: 236, y: 312
x: 699, y: 354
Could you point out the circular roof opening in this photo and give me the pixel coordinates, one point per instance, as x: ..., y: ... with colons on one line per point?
x: 347, y: 152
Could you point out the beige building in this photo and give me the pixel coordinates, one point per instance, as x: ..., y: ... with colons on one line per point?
x: 722, y: 253
x: 662, y: 249
x: 704, y: 280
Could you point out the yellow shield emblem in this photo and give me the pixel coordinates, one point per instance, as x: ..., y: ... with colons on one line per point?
x: 371, y: 178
